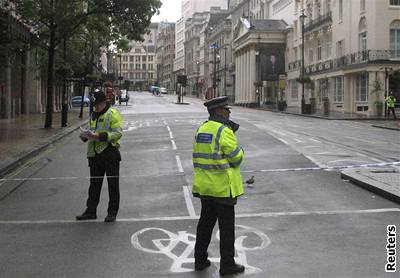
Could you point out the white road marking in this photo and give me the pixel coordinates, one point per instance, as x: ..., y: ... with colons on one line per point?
x: 166, y: 174
x: 283, y: 141
x: 315, y: 140
x: 188, y: 201
x: 186, y: 241
x: 179, y: 164
x: 170, y: 132
x: 173, y: 144
x: 358, y: 139
x: 376, y: 159
x: 179, y: 218
x: 322, y: 165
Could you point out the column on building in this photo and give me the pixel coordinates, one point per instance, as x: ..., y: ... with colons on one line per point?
x: 241, y: 76
x: 348, y: 96
x: 237, y: 74
x: 252, y: 60
x: 244, y: 76
x: 247, y: 61
x: 370, y: 94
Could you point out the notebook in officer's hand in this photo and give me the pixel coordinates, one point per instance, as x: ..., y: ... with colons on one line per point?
x: 85, y: 133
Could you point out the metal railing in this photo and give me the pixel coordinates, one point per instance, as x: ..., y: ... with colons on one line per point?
x: 320, y: 21
x: 353, y: 59
x: 294, y: 65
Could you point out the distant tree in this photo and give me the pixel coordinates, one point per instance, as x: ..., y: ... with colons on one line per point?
x: 56, y: 20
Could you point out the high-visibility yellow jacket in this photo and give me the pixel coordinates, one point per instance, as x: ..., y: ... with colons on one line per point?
x: 109, y: 127
x: 216, y: 161
x: 390, y: 100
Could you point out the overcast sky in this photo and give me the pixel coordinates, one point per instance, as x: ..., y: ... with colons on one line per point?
x: 170, y: 10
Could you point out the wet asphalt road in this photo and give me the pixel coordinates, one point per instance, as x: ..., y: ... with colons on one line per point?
x: 290, y: 224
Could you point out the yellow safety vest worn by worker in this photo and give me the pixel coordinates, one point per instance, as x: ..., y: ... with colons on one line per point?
x: 390, y: 100
x: 109, y: 123
x: 216, y: 161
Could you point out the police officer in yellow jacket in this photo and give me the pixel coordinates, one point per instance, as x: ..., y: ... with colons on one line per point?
x: 103, y: 139
x: 391, y: 103
x: 218, y: 183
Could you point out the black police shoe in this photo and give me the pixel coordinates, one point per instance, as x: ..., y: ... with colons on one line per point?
x: 202, y: 265
x: 235, y: 269
x: 86, y: 216
x: 110, y: 218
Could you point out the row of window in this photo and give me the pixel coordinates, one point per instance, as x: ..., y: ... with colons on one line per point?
x: 143, y: 58
x: 132, y: 75
x: 338, y: 88
x: 138, y: 66
x: 324, y: 51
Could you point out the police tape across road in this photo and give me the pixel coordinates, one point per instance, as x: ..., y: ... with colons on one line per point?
x: 327, y: 168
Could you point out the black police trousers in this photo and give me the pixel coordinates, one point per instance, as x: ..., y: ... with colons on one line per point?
x: 100, y: 166
x: 211, y: 211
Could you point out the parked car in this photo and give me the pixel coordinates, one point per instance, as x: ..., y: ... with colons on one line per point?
x: 76, y: 101
x: 163, y: 90
x: 153, y: 89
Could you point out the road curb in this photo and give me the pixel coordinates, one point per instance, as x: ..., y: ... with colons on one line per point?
x: 53, y: 139
x: 369, y: 184
x: 385, y: 127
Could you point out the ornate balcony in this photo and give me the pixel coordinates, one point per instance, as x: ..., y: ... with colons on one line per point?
x: 320, y: 21
x: 294, y: 65
x: 359, y: 58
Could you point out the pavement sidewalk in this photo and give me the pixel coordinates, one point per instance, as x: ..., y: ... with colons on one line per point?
x: 374, y: 121
x: 24, y: 137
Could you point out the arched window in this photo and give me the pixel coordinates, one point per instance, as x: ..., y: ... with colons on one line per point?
x: 362, y: 31
x: 395, y: 39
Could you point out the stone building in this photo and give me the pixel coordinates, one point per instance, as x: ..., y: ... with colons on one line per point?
x: 189, y: 8
x: 20, y: 82
x: 194, y: 51
x: 139, y: 65
x: 166, y: 55
x: 218, y: 50
x: 351, y: 55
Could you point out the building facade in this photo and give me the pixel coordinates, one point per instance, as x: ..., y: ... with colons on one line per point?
x: 22, y: 89
x: 351, y: 52
x: 138, y: 66
x: 179, y: 61
x: 194, y: 45
x: 189, y: 8
x: 166, y: 55
x: 219, y: 78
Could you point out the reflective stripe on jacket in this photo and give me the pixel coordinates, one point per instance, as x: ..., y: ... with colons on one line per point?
x: 216, y: 161
x: 110, y: 123
x: 390, y: 100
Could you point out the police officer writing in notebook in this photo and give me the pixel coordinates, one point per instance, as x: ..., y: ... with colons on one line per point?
x: 103, y: 139
x: 218, y: 183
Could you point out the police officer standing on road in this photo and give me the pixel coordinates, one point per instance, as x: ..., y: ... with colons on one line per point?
x: 218, y: 183
x: 391, y: 101
x: 103, y: 137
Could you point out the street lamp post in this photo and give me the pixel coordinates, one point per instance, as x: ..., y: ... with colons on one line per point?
x: 258, y: 76
x: 303, y: 101
x: 225, y: 48
x: 387, y: 71
x: 120, y: 67
x: 215, y: 71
